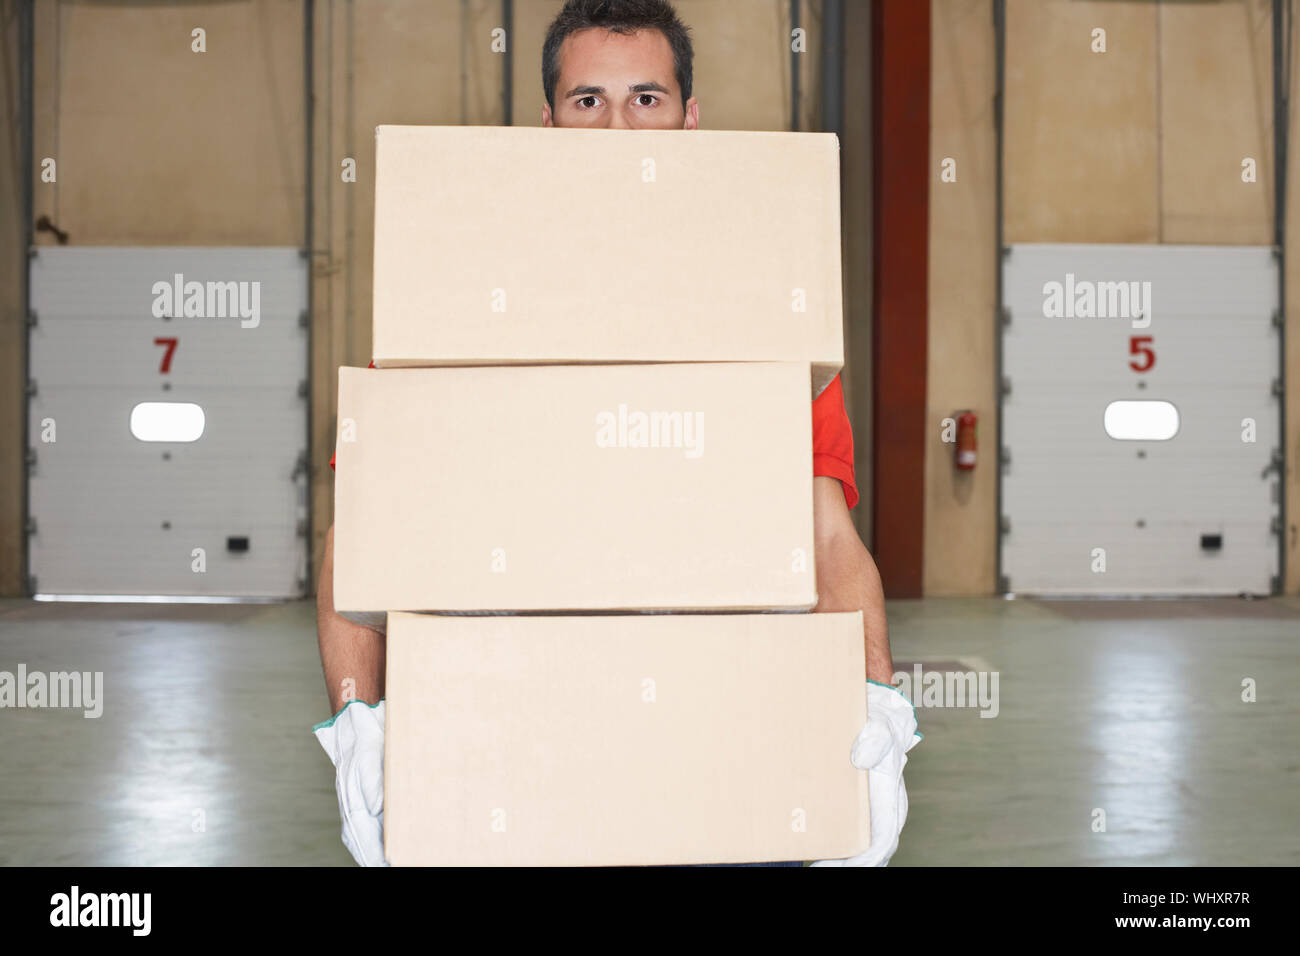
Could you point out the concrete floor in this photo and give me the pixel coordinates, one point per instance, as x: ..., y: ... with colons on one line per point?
x: 1130, y: 707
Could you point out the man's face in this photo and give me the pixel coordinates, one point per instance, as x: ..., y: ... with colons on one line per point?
x: 619, y: 81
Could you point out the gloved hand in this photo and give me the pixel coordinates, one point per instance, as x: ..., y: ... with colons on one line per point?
x: 881, y: 750
x: 354, y: 740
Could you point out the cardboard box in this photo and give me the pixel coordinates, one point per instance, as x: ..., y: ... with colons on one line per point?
x: 632, y: 739
x: 496, y: 489
x: 498, y: 245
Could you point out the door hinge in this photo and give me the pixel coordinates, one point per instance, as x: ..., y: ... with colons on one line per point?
x: 302, y: 388
x: 1274, y: 464
x: 1004, y: 525
x: 1005, y: 314
x: 1006, y: 386
x: 304, y: 319
x: 1277, y: 388
x: 29, y: 459
x: 30, y: 527
x: 1004, y: 585
x: 1275, y: 525
x: 299, y: 466
x: 31, y: 388
x: 31, y: 318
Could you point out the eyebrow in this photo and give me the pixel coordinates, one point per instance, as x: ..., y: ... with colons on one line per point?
x: 599, y: 90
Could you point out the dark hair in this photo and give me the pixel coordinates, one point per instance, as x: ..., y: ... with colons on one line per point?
x: 617, y: 16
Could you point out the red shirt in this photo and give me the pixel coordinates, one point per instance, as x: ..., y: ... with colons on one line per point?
x: 832, y: 439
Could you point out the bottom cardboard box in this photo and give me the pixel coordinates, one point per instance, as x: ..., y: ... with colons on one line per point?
x: 623, y: 740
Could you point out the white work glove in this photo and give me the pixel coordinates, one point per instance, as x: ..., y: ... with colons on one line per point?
x: 881, y: 750
x: 354, y: 740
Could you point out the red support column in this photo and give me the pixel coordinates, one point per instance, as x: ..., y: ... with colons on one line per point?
x: 900, y: 140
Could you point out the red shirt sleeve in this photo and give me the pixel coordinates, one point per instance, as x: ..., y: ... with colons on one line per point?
x: 335, y: 455
x: 832, y: 439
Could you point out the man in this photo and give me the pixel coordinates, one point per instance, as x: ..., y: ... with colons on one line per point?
x: 626, y: 64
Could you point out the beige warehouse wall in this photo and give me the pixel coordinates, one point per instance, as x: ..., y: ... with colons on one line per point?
x: 1144, y: 142
x: 1216, y: 108
x: 157, y: 144
x: 960, y: 506
x: 1080, y: 137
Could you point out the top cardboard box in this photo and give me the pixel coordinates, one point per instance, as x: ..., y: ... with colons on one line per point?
x: 502, y: 246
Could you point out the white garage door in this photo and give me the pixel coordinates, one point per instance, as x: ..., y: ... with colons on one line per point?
x: 1140, y: 420
x: 167, y: 433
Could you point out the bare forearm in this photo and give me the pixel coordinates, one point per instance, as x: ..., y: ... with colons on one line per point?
x: 847, y: 578
x: 852, y: 583
x: 880, y: 663
x: 352, y: 655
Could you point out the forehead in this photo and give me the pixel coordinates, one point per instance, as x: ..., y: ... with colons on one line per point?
x: 589, y: 56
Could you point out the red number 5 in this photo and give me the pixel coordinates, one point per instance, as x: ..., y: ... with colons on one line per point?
x: 1137, y: 346
x: 167, y: 356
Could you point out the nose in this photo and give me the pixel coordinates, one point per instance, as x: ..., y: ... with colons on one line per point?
x: 618, y: 119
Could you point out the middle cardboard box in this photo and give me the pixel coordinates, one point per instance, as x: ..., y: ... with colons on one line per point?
x: 575, y: 488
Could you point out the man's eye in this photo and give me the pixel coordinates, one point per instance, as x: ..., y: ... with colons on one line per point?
x: 646, y: 99
x: 587, y: 102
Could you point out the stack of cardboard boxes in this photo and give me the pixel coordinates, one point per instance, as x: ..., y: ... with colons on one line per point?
x: 595, y: 356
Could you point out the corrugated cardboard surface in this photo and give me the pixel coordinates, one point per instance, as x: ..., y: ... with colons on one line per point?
x: 470, y: 489
x: 632, y: 739
x: 606, y: 246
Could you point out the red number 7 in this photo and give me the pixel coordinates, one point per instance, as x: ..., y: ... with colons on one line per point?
x: 167, y: 356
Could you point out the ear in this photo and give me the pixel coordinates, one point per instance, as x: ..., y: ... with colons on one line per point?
x: 692, y: 120
x: 547, y: 119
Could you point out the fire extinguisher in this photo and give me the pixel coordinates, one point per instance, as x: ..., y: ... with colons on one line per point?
x: 966, y: 422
